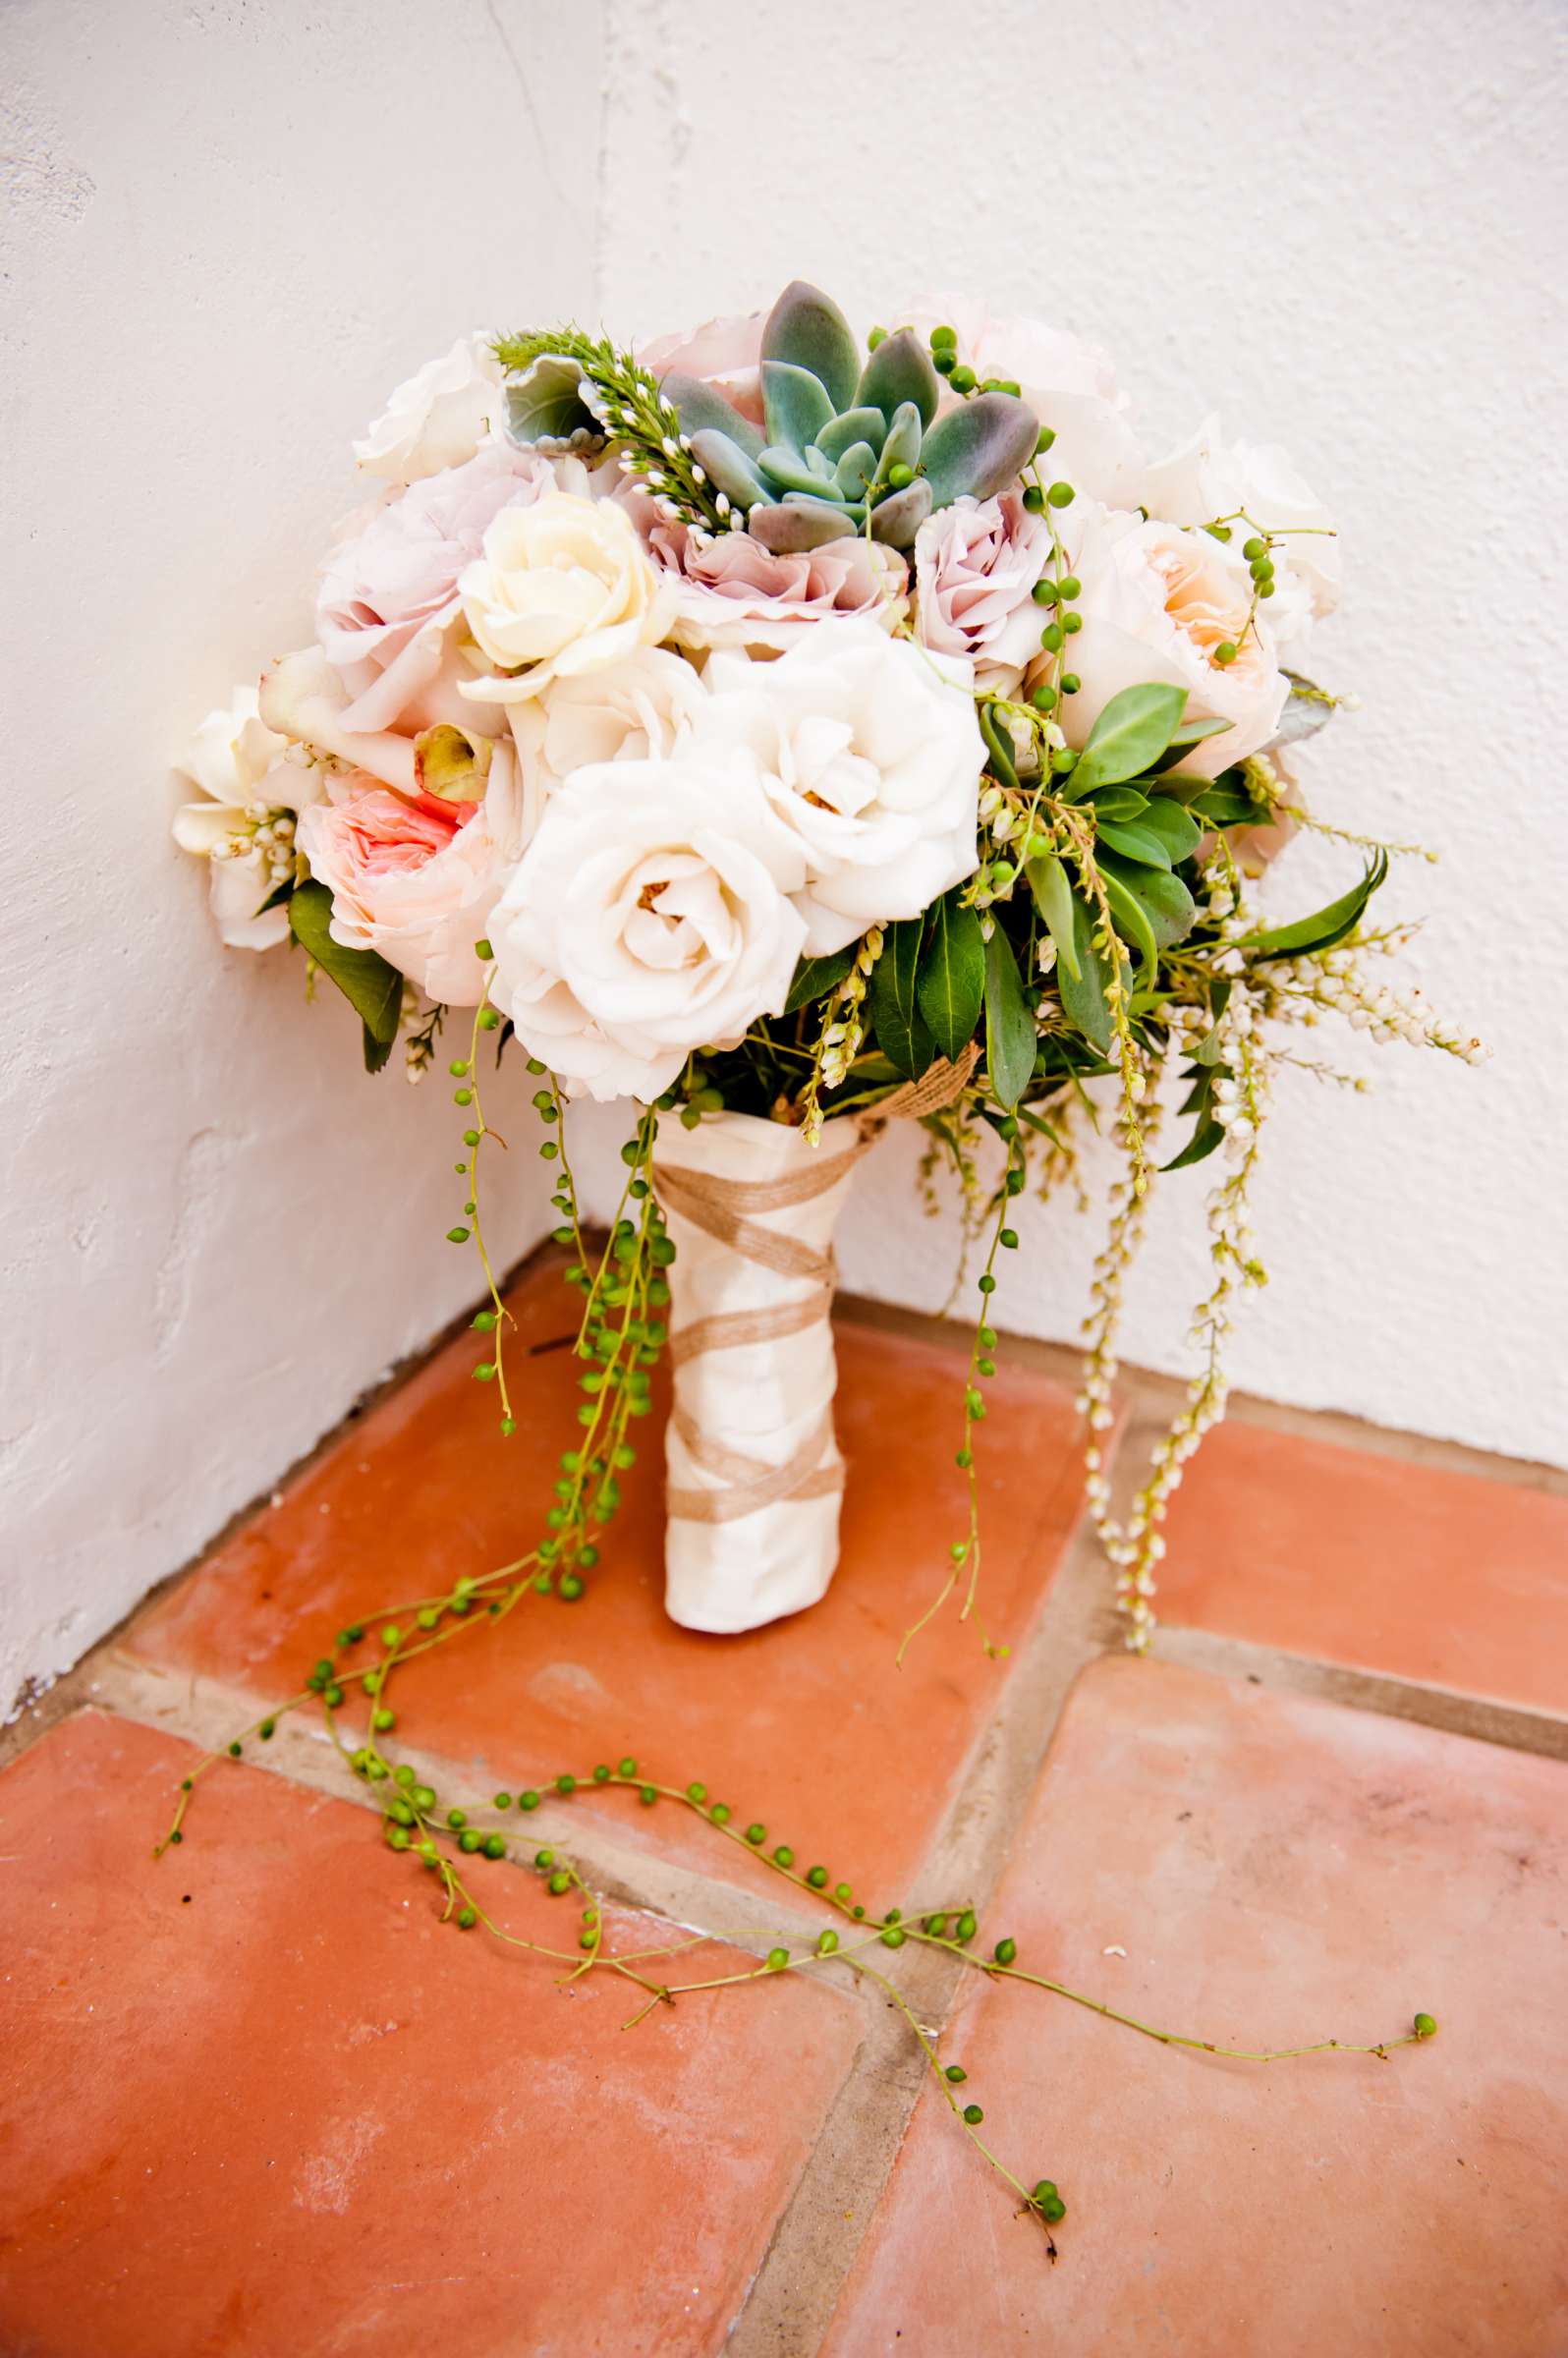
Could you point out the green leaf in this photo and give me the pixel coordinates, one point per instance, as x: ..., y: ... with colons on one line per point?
x: 1205, y: 1138
x: 902, y: 1032
x: 1053, y: 898
x: 1117, y: 803
x: 1132, y: 923
x: 815, y: 977
x: 1326, y: 926
x: 998, y: 747
x: 1136, y: 842
x: 1082, y: 993
x: 372, y: 987
x: 1163, y: 898
x: 1009, y: 1024
x: 1189, y: 733
x: 1180, y: 833
x: 1227, y: 807
x: 1132, y: 731
x: 951, y: 985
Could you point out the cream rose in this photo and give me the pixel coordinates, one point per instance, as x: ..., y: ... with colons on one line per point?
x: 244, y: 824
x: 416, y: 877
x: 563, y: 587
x: 439, y: 417
x: 649, y: 916
x: 1157, y: 605
x: 870, y: 755
x: 638, y: 710
x: 1211, y: 479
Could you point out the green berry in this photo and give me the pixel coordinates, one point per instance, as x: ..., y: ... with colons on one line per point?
x: 777, y: 1959
x: 560, y: 1883
x: 816, y: 1877
x: 784, y: 1856
x: 974, y: 2114
x: 1005, y: 1952
x: 757, y: 1835
x: 467, y: 1920
x: 1225, y: 653
x: 945, y: 339
x: 966, y: 1924
x: 470, y: 1839
x: 1060, y: 495
x: 495, y: 1846
x: 827, y: 1942
x: 893, y: 1936
x: 1424, y: 2027
x: 956, y: 2073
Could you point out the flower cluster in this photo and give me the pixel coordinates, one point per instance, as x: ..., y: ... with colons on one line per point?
x: 763, y: 716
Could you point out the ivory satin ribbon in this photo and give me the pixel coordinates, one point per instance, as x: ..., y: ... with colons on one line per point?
x: 755, y: 1475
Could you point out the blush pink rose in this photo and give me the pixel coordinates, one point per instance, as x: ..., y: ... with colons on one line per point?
x: 976, y: 567
x: 726, y: 354
x: 416, y: 877
x: 732, y: 591
x: 389, y: 597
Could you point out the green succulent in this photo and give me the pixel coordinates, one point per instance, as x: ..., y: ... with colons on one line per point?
x: 844, y: 442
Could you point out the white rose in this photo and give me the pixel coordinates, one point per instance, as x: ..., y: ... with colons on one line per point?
x: 563, y: 587
x: 871, y: 754
x: 1212, y: 479
x: 637, y: 711
x: 1157, y: 602
x: 649, y: 916
x: 244, y: 824
x: 304, y: 698
x: 439, y: 417
x: 1070, y: 385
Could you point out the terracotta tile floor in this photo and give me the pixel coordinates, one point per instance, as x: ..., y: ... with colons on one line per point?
x: 1276, y: 1871
x: 429, y: 1491
x: 256, y: 2098
x: 259, y: 2100
x: 1348, y: 1556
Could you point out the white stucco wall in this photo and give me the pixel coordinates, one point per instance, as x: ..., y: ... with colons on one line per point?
x: 230, y: 228
x: 232, y: 224
x: 1341, y: 226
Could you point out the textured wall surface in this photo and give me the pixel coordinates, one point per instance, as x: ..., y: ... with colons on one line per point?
x: 1342, y: 228
x: 229, y: 229
x: 231, y: 226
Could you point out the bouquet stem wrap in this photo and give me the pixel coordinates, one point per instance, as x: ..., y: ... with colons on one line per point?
x: 754, y: 1471
x: 755, y: 1475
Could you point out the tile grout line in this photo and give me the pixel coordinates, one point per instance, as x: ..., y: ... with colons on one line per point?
x: 819, y: 2234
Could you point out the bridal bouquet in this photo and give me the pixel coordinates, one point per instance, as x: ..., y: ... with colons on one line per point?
x: 790, y: 733
x: 787, y: 730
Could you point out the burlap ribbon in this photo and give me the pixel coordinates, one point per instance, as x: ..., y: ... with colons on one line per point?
x: 727, y: 1211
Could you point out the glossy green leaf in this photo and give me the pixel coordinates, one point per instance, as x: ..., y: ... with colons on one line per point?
x: 902, y: 1032
x: 1325, y: 926
x: 1205, y: 1138
x: 951, y: 985
x: 1184, y: 737
x: 1053, y: 898
x: 1082, y: 994
x: 1117, y: 803
x: 372, y: 987
x: 1163, y: 898
x: 1135, y: 841
x: 1131, y: 733
x: 1180, y: 833
x: 1228, y: 807
x: 1009, y: 1024
x: 815, y: 977
x: 1132, y: 923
